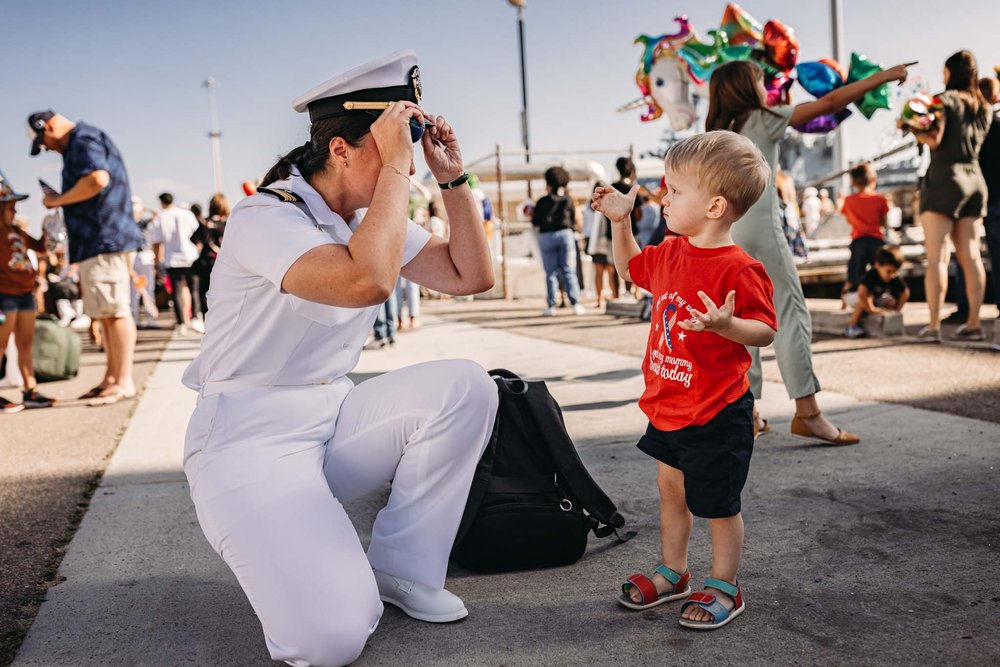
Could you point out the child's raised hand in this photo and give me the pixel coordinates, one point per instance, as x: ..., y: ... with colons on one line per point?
x: 613, y: 204
x: 714, y: 318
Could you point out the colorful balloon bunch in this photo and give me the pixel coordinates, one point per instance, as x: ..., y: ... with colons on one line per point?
x: 740, y: 37
x: 919, y: 114
x: 773, y: 46
x: 826, y: 75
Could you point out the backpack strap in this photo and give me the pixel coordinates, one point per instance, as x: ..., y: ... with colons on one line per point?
x: 549, y: 419
x: 482, y: 476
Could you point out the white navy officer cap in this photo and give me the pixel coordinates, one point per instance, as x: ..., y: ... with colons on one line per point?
x: 393, y: 78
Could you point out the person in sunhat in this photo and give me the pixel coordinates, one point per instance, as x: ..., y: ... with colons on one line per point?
x: 18, y: 279
x: 280, y: 437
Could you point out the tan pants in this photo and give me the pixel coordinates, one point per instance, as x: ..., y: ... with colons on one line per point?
x: 105, y: 285
x: 763, y: 239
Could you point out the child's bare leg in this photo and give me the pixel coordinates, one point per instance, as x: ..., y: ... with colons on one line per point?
x: 727, y: 547
x: 675, y: 525
x: 859, y: 311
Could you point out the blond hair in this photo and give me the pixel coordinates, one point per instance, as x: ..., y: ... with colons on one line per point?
x: 219, y: 207
x: 726, y: 164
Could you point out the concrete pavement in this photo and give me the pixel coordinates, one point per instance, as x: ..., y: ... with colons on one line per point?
x: 884, y: 553
x: 50, y: 462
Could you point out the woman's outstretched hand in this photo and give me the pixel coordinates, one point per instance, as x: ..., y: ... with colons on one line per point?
x: 899, y: 72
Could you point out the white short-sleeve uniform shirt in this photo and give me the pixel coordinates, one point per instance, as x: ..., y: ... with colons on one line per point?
x: 258, y: 335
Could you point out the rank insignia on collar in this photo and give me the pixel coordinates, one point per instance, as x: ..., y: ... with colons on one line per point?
x: 415, y: 81
x: 283, y: 194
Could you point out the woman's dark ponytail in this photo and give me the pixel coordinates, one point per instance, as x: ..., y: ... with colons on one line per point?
x: 283, y: 168
x: 313, y: 157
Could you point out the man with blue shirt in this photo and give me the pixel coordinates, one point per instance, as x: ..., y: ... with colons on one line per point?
x: 103, y: 237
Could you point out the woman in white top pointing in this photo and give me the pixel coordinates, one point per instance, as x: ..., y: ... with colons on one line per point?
x: 280, y: 436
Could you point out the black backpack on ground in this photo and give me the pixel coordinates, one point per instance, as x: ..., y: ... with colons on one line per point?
x: 532, y: 503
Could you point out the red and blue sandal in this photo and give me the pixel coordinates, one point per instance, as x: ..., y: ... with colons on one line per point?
x: 711, y: 604
x: 648, y: 596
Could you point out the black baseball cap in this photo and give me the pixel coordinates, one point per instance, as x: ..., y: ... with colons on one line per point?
x: 36, y: 123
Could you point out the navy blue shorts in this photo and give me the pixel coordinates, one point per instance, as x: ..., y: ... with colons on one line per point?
x: 17, y: 303
x: 714, y: 457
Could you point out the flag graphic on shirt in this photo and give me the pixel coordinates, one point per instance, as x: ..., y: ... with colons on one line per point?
x: 669, y: 320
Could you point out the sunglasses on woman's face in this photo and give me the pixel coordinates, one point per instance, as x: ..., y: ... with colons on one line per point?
x: 417, y: 128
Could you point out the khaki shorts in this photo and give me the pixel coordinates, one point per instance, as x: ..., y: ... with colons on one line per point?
x: 105, y: 285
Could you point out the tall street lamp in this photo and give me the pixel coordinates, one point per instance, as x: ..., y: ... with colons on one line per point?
x: 215, y: 135
x: 520, y: 5
x: 837, y: 36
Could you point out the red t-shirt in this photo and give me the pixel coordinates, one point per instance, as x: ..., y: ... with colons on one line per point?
x: 691, y: 375
x: 865, y: 213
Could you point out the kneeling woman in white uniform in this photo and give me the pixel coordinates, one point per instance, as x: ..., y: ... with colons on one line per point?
x: 280, y: 436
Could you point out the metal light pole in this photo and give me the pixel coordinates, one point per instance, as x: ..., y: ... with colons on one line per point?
x: 837, y: 35
x: 520, y: 5
x: 215, y: 135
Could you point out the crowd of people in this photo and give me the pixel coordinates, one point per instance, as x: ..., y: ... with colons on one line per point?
x: 955, y: 211
x: 103, y: 260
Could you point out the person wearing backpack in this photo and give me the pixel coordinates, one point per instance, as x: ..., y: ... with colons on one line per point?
x: 555, y: 219
x: 697, y: 394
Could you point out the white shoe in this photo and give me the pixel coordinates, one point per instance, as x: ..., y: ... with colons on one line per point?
x: 419, y: 601
x: 82, y: 323
x: 549, y: 312
x: 198, y: 326
x: 183, y: 330
x: 578, y: 309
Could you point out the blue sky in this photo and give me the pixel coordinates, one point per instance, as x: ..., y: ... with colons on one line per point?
x: 135, y: 69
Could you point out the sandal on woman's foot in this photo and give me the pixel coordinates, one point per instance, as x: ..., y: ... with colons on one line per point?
x: 933, y: 335
x: 964, y: 332
x: 649, y: 597
x: 710, y: 604
x: 801, y: 428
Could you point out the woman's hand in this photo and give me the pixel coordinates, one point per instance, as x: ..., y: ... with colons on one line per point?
x: 391, y: 133
x: 441, y: 150
x: 898, y: 73
x: 613, y: 204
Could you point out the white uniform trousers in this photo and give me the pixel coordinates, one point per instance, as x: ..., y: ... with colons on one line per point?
x: 269, y: 467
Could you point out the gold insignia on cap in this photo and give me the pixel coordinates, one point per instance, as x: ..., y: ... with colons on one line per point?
x: 366, y: 106
x: 415, y: 81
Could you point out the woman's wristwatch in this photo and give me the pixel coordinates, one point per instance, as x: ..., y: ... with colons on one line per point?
x: 450, y: 185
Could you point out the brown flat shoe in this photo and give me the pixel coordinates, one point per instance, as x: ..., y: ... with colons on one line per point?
x: 802, y: 429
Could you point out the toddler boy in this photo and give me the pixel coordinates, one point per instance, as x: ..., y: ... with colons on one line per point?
x: 710, y: 300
